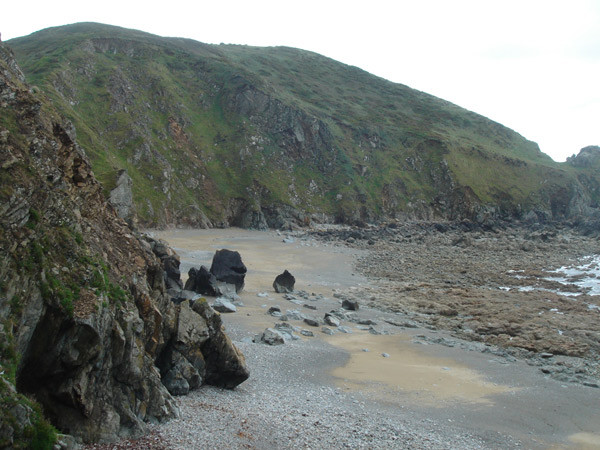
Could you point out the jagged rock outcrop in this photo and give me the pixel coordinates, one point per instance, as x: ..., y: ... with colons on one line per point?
x: 588, y: 157
x: 84, y: 313
x: 202, y: 281
x: 200, y: 352
x: 121, y: 197
x: 303, y: 136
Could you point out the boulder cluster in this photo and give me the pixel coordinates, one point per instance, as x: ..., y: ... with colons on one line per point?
x: 199, y: 351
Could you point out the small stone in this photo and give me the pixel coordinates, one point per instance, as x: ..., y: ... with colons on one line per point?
x: 272, y: 337
x: 310, y: 306
x: 332, y: 320
x: 294, y: 314
x: 274, y: 309
x: 344, y: 329
x: 312, y: 322
x: 366, y: 322
x: 328, y: 331
x: 366, y: 350
x: 286, y: 327
x: 307, y: 333
x: 385, y: 355
x: 224, y: 306
x: 546, y: 355
x: 351, y: 305
x: 227, y: 290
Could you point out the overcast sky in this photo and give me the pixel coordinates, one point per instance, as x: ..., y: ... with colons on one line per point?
x: 531, y: 65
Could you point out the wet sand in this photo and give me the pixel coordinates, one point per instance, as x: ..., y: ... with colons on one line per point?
x: 317, y: 268
x: 472, y: 390
x: 407, y: 374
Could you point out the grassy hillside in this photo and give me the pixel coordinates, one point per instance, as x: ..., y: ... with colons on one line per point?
x: 225, y: 131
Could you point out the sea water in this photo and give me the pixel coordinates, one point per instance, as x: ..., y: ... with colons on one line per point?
x: 585, y: 275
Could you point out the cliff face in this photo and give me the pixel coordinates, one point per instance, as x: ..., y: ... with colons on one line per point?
x: 255, y: 137
x: 85, y: 322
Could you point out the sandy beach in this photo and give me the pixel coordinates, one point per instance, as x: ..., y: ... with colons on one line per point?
x: 404, y: 387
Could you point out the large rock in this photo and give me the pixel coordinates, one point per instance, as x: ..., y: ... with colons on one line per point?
x: 182, y: 363
x: 225, y: 364
x: 202, y: 282
x: 182, y: 376
x: 227, y: 266
x: 284, y: 282
x: 271, y: 337
x: 200, y: 352
x: 169, y: 258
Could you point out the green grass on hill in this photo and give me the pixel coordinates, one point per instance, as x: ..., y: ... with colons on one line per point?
x: 162, y: 109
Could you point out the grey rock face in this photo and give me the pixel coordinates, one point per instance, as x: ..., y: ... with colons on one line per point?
x: 182, y: 376
x: 303, y: 135
x: 172, y: 273
x: 587, y: 157
x: 225, y: 364
x: 100, y: 357
x: 182, y: 364
x: 228, y: 291
x: 121, y: 197
x: 294, y: 314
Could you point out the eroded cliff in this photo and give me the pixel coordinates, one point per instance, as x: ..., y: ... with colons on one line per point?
x: 86, y: 324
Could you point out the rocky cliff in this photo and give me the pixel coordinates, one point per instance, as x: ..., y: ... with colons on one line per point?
x: 86, y: 326
x: 236, y: 135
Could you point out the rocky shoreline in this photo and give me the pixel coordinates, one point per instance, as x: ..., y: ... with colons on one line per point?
x: 333, y: 389
x: 493, y: 286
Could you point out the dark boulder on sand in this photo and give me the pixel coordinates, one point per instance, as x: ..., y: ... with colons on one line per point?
x: 284, y: 282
